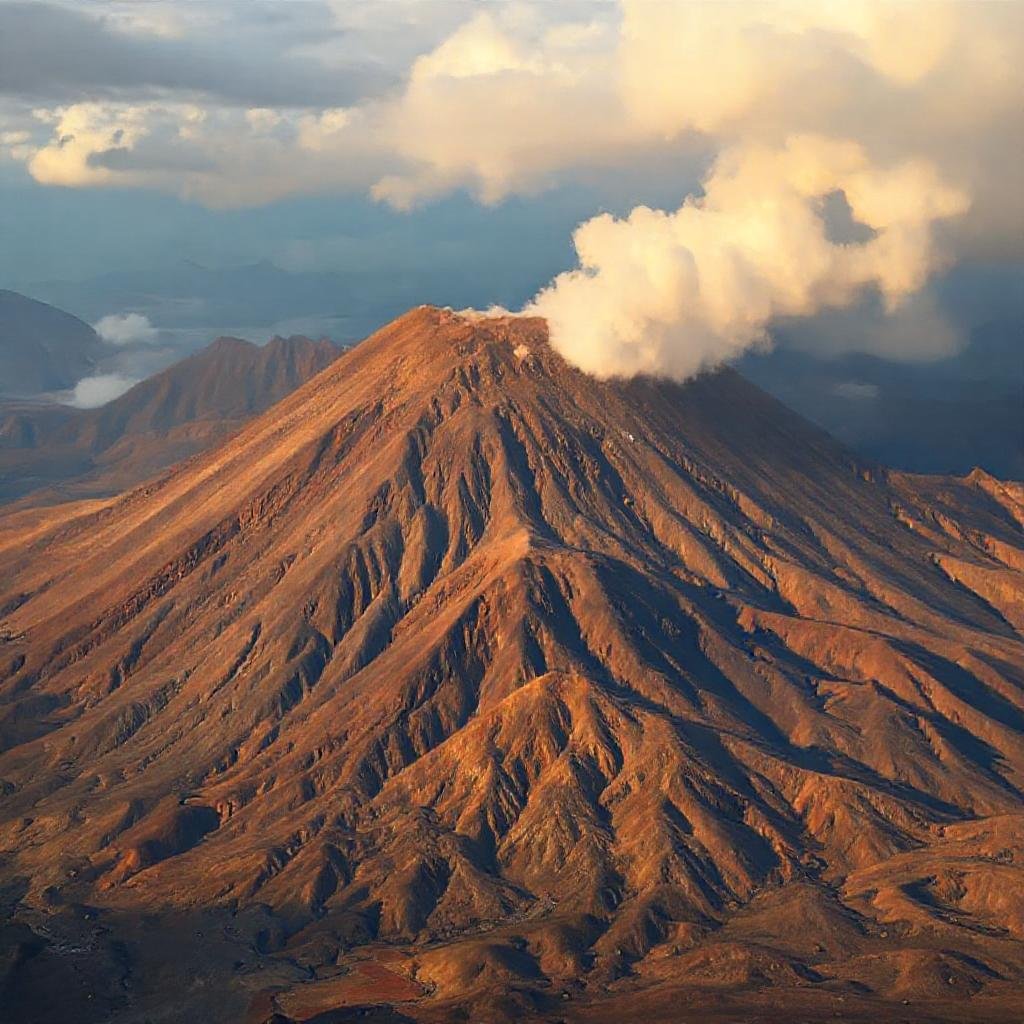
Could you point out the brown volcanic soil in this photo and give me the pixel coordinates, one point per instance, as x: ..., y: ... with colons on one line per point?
x: 545, y: 697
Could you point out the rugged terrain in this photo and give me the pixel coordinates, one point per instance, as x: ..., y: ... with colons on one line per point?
x: 55, y: 452
x: 462, y: 686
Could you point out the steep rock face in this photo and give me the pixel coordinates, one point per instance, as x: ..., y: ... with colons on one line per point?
x: 184, y: 409
x: 456, y: 640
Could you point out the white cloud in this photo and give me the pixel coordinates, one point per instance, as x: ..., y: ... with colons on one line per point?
x: 519, y: 97
x: 514, y: 98
x: 506, y: 104
x: 83, y: 131
x: 940, y: 81
x: 126, y: 329
x: 676, y: 293
x: 91, y: 392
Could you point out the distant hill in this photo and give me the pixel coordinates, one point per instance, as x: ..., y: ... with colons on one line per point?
x: 42, y: 348
x: 170, y: 416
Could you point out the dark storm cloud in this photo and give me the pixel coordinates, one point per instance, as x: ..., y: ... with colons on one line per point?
x: 54, y: 53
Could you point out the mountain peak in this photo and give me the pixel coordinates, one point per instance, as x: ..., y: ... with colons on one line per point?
x: 226, y: 343
x: 430, y: 351
x: 444, y: 327
x: 535, y: 678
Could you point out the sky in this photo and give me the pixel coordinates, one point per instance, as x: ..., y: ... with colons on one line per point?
x: 672, y: 184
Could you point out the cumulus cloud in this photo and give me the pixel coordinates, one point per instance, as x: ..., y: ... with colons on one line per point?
x: 872, y: 102
x: 81, y: 133
x: 913, y: 110
x: 126, y: 329
x: 221, y: 157
x: 940, y: 81
x: 521, y: 96
x: 480, y: 111
x: 91, y: 392
x: 475, y: 112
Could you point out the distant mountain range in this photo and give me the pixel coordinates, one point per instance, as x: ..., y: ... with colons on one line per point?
x: 174, y: 414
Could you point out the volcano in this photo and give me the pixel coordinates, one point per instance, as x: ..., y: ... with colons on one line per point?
x: 460, y: 685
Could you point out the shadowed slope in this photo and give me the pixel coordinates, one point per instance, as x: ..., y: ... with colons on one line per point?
x: 42, y: 348
x: 456, y: 641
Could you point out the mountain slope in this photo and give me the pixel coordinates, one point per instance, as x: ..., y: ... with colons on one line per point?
x: 624, y: 690
x: 42, y: 348
x: 167, y: 417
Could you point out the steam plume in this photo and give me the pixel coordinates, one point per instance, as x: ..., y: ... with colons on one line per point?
x: 675, y: 293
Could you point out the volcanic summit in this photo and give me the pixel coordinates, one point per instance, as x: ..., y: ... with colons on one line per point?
x: 462, y: 683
